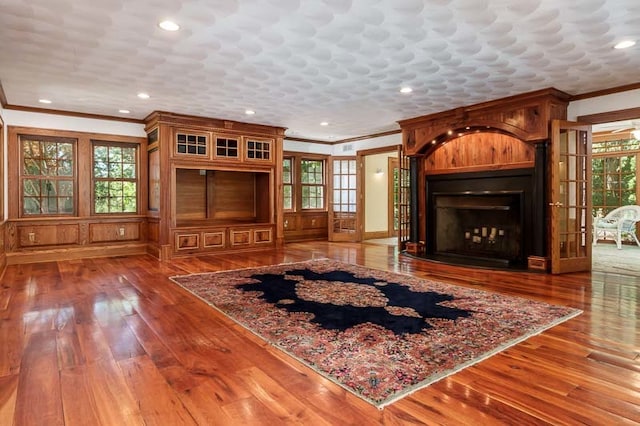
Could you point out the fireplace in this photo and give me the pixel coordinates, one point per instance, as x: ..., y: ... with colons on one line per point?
x: 482, y: 218
x: 480, y: 226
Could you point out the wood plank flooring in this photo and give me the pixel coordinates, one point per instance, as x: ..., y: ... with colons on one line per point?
x: 112, y: 341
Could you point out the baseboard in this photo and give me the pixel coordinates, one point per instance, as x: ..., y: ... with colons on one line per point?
x: 375, y: 234
x: 52, y: 255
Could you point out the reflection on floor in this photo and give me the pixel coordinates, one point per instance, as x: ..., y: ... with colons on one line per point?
x: 607, y: 258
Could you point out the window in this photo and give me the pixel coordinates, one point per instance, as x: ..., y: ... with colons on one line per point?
x: 115, y: 178
x: 614, y: 181
x: 287, y: 179
x: 312, y: 184
x: 47, y: 178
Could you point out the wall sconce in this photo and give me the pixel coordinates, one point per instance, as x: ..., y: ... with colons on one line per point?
x: 379, y: 171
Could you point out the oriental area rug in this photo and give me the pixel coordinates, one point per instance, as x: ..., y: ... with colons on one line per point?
x: 380, y: 335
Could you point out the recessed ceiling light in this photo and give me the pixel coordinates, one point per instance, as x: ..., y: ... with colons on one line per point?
x: 168, y: 25
x: 625, y: 44
x: 250, y: 112
x: 324, y: 123
x: 143, y: 95
x: 124, y: 111
x: 44, y: 101
x: 406, y: 90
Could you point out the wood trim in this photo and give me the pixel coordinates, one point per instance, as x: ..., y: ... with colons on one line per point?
x: 291, y: 138
x: 610, y: 116
x: 610, y: 91
x: 371, y: 136
x: 374, y: 234
x: 340, y: 141
x: 52, y: 255
x: 3, y: 96
x: 380, y: 150
x: 211, y: 124
x: 72, y: 113
x: 481, y: 168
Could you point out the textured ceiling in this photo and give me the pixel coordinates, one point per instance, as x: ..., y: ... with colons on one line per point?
x: 300, y: 62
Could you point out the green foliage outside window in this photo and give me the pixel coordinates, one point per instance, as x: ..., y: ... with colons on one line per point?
x: 614, y: 177
x: 115, y: 179
x: 312, y: 177
x: 47, y: 176
x: 287, y: 180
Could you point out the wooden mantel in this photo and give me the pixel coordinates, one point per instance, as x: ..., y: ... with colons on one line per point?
x: 526, y: 117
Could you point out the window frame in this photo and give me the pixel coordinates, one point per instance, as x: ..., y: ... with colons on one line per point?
x: 296, y: 164
x: 22, y: 176
x: 105, y: 143
x: 323, y: 185
x: 291, y: 185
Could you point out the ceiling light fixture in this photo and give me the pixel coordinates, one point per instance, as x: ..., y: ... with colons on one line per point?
x: 406, y: 90
x: 143, y: 95
x: 168, y: 25
x: 324, y: 123
x: 124, y: 111
x: 44, y: 101
x: 625, y: 44
x: 249, y: 112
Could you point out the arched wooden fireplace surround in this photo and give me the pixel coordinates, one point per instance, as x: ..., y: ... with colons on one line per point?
x: 478, y: 180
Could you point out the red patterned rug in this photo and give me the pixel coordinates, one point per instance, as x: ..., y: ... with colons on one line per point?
x: 378, y: 334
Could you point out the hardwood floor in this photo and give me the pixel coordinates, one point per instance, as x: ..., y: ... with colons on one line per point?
x: 112, y: 341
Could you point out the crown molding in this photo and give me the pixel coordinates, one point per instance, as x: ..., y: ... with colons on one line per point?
x: 610, y: 91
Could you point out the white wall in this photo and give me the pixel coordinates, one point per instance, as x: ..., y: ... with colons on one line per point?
x: 606, y: 103
x: 312, y: 148
x: 376, y: 192
x: 351, y: 148
x: 78, y: 124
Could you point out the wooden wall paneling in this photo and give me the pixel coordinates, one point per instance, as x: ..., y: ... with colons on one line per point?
x: 234, y: 196
x: 278, y: 191
x: 524, y: 116
x: 84, y: 177
x: 264, y: 193
x: 110, y: 232
x: 480, y: 151
x: 48, y: 235
x: 191, y: 195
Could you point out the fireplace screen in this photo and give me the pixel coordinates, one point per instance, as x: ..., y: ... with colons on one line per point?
x: 486, y: 225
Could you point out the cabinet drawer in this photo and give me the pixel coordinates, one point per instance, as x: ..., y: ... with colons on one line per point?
x: 187, y: 241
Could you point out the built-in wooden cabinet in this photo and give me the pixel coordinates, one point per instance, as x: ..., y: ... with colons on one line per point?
x: 216, y: 185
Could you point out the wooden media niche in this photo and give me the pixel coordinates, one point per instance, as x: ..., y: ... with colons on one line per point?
x: 213, y: 185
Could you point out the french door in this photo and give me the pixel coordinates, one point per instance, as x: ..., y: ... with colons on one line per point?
x: 570, y: 197
x: 344, y: 200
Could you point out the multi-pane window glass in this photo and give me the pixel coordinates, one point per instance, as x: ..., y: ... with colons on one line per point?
x: 191, y: 144
x: 312, y: 184
x: 115, y: 181
x: 287, y: 180
x: 258, y: 150
x: 344, y: 185
x: 614, y: 182
x: 47, y: 176
x: 227, y: 147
